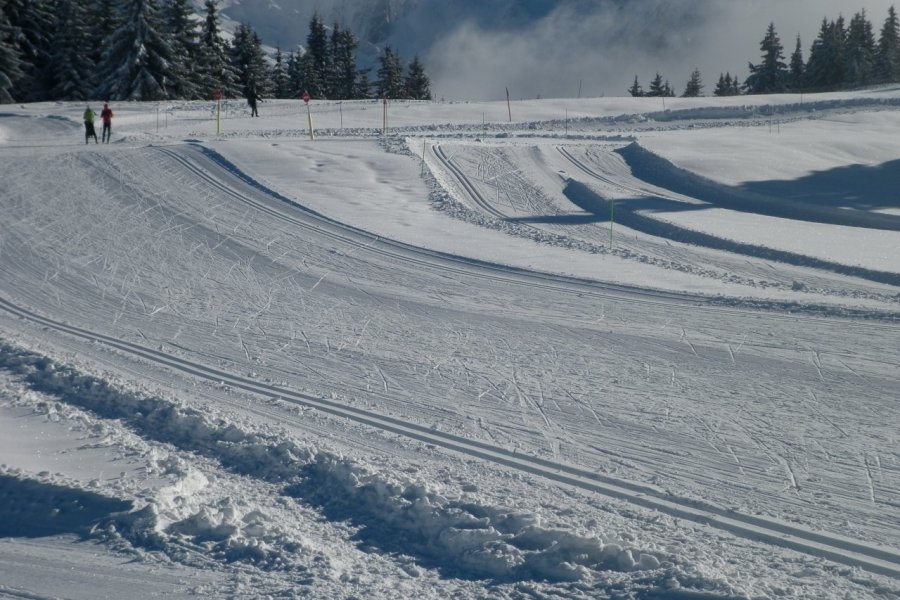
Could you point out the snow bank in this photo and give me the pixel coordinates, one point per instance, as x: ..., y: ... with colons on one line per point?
x: 462, y: 538
x: 451, y: 532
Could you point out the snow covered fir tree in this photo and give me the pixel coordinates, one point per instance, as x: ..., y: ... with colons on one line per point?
x: 843, y: 56
x: 160, y: 49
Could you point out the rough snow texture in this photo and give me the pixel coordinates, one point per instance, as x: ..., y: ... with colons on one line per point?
x: 621, y: 354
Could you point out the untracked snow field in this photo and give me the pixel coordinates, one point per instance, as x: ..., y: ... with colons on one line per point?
x: 592, y: 348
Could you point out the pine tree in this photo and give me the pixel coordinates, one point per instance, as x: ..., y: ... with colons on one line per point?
x: 318, y: 56
x: 771, y: 75
x: 104, y: 22
x: 213, y: 69
x: 343, y: 61
x: 694, y: 86
x: 636, y: 90
x: 418, y: 86
x: 136, y: 59
x: 887, y: 61
x: 859, y: 52
x: 668, y: 90
x: 306, y: 78
x: 70, y: 65
x: 249, y: 63
x: 294, y: 76
x: 825, y: 68
x: 33, y: 23
x: 390, y: 76
x: 278, y: 78
x: 11, y: 71
x: 657, y: 87
x: 181, y: 30
x: 797, y: 68
x: 363, y: 87
x: 727, y: 86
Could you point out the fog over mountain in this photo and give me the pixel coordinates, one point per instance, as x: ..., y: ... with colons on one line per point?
x: 473, y: 49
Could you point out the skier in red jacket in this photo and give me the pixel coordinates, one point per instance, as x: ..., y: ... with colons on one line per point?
x: 106, y: 116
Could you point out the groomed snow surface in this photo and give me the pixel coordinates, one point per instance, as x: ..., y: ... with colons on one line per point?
x: 597, y: 348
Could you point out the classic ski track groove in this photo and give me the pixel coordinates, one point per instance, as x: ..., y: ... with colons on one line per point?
x: 467, y: 185
x: 876, y: 559
x: 873, y: 558
x: 847, y: 551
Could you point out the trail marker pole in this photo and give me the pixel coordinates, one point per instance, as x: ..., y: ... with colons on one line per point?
x: 508, y: 107
x: 384, y: 127
x: 612, y: 203
x: 424, y: 146
x: 217, y: 96
x: 579, y: 88
x: 306, y: 98
x: 157, y: 117
x: 341, y: 110
x: 567, y: 123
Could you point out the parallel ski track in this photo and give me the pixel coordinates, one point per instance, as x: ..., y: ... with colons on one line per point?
x: 290, y: 211
x: 596, y: 174
x: 876, y: 559
x: 470, y: 189
x: 885, y: 561
x: 307, y: 219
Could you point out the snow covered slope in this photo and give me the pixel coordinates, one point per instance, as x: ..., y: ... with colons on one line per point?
x: 428, y: 364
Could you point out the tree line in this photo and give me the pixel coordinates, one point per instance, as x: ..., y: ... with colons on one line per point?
x: 844, y: 55
x: 158, y: 50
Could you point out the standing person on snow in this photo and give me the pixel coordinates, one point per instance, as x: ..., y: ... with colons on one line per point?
x: 251, y: 100
x: 106, y: 116
x: 89, y: 131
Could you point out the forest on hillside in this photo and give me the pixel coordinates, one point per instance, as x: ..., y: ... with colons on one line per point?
x: 149, y: 50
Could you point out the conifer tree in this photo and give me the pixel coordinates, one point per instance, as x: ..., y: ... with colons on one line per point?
x: 657, y: 87
x: 859, y: 52
x: 771, y: 75
x: 33, y: 23
x: 343, y: 61
x: 307, y: 80
x: 213, y: 69
x: 887, y: 61
x: 636, y: 90
x: 418, y: 85
x: 11, y: 71
x: 278, y: 78
x: 318, y: 57
x: 390, y: 75
x: 363, y: 87
x: 70, y: 65
x: 797, y: 68
x: 294, y: 76
x: 727, y: 86
x: 825, y: 68
x: 184, y: 39
x: 249, y: 63
x: 104, y: 21
x: 136, y: 59
x: 694, y: 86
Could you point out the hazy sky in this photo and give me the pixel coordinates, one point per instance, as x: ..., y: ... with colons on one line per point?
x: 473, y: 49
x: 603, y: 44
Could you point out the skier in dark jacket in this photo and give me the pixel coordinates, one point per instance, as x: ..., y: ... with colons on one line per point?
x: 89, y: 132
x: 252, y: 98
x: 106, y: 116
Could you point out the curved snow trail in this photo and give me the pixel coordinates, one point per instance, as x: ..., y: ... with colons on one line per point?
x: 527, y: 204
x: 871, y: 557
x: 218, y: 273
x: 656, y: 170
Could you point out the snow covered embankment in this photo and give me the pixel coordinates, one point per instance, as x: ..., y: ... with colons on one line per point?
x: 457, y: 535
